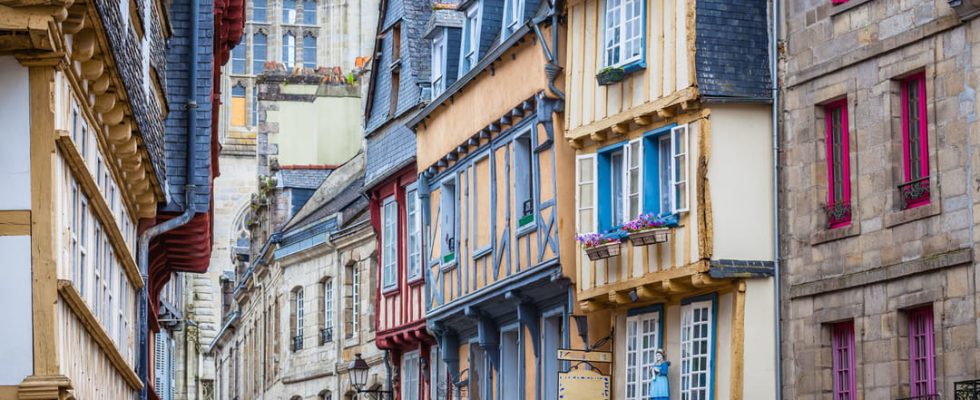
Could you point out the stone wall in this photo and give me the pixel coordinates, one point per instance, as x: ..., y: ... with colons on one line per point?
x: 888, y: 260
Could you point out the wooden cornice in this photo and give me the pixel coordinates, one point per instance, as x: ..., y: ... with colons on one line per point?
x: 98, y: 333
x: 99, y: 207
x: 654, y: 110
x: 666, y: 283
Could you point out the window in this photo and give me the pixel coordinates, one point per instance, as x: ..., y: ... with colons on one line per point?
x: 413, y: 220
x: 108, y: 273
x: 122, y: 325
x: 438, y: 65
x: 585, y: 192
x: 297, y: 320
x: 550, y: 343
x: 439, y: 382
x: 258, y: 10
x: 238, y: 60
x: 915, y: 142
x: 842, y: 346
x: 513, y: 16
x: 624, y: 34
x: 163, y: 380
x: 524, y: 179
x: 309, y: 12
x: 679, y: 169
x: 76, y: 232
x: 327, y: 335
x: 470, y: 49
x: 447, y: 217
x: 288, y: 50
x: 509, y: 365
x: 255, y: 106
x: 289, y: 11
x: 922, y: 353
x: 410, y: 376
x: 389, y: 243
x: 259, y: 51
x: 477, y: 368
x: 393, y: 96
x: 396, y: 42
x: 356, y: 300
x: 642, y: 342
x: 238, y: 105
x: 309, y: 51
x: 620, y: 169
x: 697, y: 328
x: 838, y: 170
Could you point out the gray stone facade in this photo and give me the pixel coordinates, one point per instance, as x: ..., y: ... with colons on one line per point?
x: 889, y: 260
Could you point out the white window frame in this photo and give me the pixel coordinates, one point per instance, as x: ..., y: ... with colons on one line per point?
x: 108, y: 281
x: 410, y: 376
x: 510, y: 364
x: 513, y: 16
x: 300, y: 311
x: 610, y: 25
x: 289, y: 14
x: 355, y: 322
x: 579, y: 183
x: 523, y: 145
x: 289, y: 49
x: 680, y: 162
x: 389, y: 243
x: 641, y: 348
x: 689, y: 329
x: 469, y: 52
x: 121, y: 323
x: 413, y: 238
x: 448, y: 219
x: 634, y: 153
x: 328, y: 303
x: 438, y: 64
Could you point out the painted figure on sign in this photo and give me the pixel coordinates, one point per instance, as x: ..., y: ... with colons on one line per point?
x: 659, y: 388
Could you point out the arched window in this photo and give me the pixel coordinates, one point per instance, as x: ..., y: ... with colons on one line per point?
x: 309, y: 12
x: 297, y: 397
x: 296, y: 323
x: 289, y: 11
x: 309, y: 50
x: 288, y: 50
x: 238, y: 105
x: 326, y: 311
x: 238, y: 59
x: 259, y: 52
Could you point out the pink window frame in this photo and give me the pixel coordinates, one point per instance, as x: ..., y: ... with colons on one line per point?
x: 836, y: 2
x: 922, y: 352
x: 920, y: 79
x: 845, y: 366
x: 845, y: 158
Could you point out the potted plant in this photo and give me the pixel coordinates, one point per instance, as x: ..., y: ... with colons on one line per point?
x: 647, y: 229
x: 610, y: 75
x: 599, y: 246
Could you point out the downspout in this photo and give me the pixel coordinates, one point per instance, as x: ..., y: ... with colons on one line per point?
x: 777, y: 293
x: 190, y: 190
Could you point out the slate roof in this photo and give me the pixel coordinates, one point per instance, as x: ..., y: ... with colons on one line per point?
x: 303, y: 178
x: 732, y: 55
x: 387, y: 152
x: 341, y: 189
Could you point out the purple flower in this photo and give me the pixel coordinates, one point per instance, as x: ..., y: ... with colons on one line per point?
x: 594, y: 239
x: 644, y: 222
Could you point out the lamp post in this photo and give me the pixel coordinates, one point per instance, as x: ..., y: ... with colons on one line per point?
x: 357, y: 371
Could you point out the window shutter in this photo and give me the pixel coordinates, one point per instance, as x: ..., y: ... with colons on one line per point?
x: 634, y: 178
x: 679, y: 168
x: 585, y: 195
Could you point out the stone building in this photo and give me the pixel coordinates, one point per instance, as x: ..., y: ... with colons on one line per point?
x: 878, y: 198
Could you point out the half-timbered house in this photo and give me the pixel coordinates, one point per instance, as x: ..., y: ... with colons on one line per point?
x: 497, y: 213
x: 399, y: 73
x: 669, y: 110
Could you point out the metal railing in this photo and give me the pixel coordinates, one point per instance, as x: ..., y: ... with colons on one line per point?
x: 915, y: 192
x: 967, y: 390
x: 326, y: 335
x: 297, y: 343
x: 923, y: 397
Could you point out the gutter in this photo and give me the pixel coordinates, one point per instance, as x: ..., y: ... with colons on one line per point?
x: 143, y: 365
x: 777, y: 293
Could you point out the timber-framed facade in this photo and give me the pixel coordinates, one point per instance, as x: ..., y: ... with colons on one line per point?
x: 669, y: 136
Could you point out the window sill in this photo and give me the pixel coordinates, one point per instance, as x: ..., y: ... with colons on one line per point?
x: 899, y: 217
x: 830, y: 235
x: 389, y: 290
x: 416, y: 281
x: 526, y: 229
x: 850, y: 5
x: 448, y: 266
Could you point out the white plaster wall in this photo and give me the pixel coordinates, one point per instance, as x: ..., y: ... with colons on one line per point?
x: 15, y: 153
x: 760, y: 370
x: 16, y: 334
x: 723, y: 347
x: 740, y: 175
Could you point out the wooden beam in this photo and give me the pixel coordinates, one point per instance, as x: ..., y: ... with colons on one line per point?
x: 654, y: 279
x: 575, y: 144
x: 15, y: 223
x: 643, y: 120
x: 621, y: 129
x: 647, y: 292
x: 665, y: 113
x: 674, y: 286
x: 647, y: 108
x: 701, y: 280
x: 598, y: 137
x: 738, y: 343
x: 619, y: 298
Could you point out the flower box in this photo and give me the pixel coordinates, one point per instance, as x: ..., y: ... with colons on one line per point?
x: 527, y: 219
x: 609, y: 76
x: 647, y: 237
x: 603, y: 251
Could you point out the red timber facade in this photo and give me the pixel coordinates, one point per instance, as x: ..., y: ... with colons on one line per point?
x: 394, y: 96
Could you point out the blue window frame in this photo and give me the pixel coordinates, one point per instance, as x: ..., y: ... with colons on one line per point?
x: 624, y: 34
x: 643, y: 175
x: 513, y: 16
x: 470, y: 48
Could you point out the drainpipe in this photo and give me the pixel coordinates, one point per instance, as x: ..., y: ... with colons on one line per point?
x: 143, y: 365
x: 774, y: 68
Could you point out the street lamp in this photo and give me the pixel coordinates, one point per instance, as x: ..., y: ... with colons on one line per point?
x: 357, y: 371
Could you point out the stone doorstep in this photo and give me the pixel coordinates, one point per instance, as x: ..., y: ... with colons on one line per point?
x: 882, y: 274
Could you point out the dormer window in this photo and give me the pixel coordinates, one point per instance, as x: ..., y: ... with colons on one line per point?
x: 513, y: 16
x: 624, y: 33
x: 438, y: 64
x: 470, y: 49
